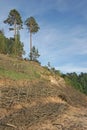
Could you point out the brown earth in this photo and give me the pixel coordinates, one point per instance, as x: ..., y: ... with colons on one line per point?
x: 42, y: 106
x: 46, y: 103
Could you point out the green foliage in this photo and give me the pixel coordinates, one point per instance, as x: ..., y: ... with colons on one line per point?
x: 14, y: 15
x: 14, y: 19
x: 12, y: 46
x: 2, y: 43
x: 77, y: 81
x: 13, y: 74
x: 32, y: 25
x: 17, y: 47
x: 34, y: 54
x: 9, y: 46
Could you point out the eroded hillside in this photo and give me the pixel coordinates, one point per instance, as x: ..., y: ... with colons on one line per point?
x: 32, y: 98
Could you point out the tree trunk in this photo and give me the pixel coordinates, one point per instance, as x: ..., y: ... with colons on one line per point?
x: 15, y: 29
x: 31, y: 45
x: 15, y: 37
x: 30, y: 41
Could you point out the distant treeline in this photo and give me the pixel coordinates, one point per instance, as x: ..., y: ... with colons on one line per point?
x: 77, y: 81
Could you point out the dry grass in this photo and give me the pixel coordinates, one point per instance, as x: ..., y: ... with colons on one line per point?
x: 39, y: 103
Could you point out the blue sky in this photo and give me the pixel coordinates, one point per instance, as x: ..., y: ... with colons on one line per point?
x: 62, y: 38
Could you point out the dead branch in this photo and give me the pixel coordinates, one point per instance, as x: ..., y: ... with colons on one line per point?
x: 8, y: 125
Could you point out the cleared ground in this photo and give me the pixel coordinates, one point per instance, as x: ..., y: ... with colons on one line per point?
x: 33, y: 98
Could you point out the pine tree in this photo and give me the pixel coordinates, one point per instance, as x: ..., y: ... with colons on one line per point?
x: 34, y: 55
x: 2, y: 43
x: 32, y: 27
x: 14, y: 19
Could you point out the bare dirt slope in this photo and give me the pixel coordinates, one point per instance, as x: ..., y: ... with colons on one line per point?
x: 40, y: 103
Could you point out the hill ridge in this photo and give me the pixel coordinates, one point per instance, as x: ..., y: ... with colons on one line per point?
x: 32, y: 98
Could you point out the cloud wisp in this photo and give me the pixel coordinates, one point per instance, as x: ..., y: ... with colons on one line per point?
x: 62, y: 38
x: 70, y: 68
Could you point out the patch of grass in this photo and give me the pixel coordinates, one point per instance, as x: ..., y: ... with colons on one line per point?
x: 17, y: 75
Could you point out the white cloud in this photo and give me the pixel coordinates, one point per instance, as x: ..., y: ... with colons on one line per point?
x: 65, y: 43
x: 57, y: 42
x: 68, y: 68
